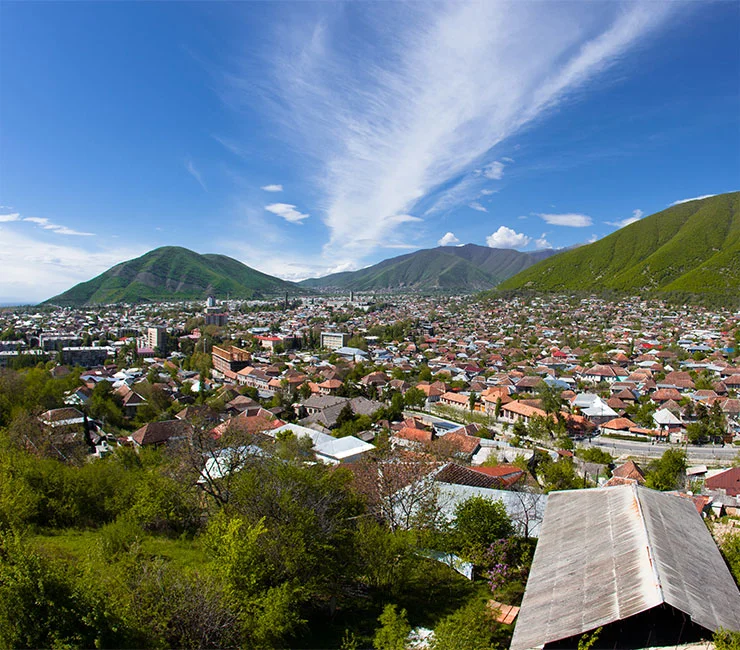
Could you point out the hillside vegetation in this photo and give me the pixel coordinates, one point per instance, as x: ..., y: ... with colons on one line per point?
x: 692, y: 247
x: 174, y: 273
x: 462, y: 268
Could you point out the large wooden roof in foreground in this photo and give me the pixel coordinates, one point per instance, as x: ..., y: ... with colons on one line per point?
x: 607, y: 554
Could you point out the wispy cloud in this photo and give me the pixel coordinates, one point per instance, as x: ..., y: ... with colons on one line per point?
x: 572, y: 219
x: 53, y: 227
x: 693, y: 198
x: 477, y: 206
x: 287, y: 212
x: 636, y: 216
x: 190, y: 167
x: 393, y: 117
x: 13, y: 216
x: 448, y: 239
x: 507, y: 238
x: 34, y: 269
x: 272, y: 188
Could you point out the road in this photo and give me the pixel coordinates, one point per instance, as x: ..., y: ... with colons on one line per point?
x: 697, y: 455
x: 706, y: 455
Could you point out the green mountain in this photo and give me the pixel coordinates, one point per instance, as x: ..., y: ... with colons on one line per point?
x: 459, y: 268
x: 174, y: 273
x: 692, y: 247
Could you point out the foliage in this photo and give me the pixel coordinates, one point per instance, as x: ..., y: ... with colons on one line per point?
x: 472, y: 627
x: 667, y: 472
x: 478, y: 522
x: 394, y: 629
x: 414, y: 398
x: 589, y: 640
x: 595, y: 455
x: 730, y: 548
x: 149, y: 278
x: 43, y: 606
x: 726, y: 639
x: 687, y: 248
x: 558, y: 475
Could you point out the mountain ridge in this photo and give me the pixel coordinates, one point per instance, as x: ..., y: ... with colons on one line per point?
x: 691, y: 247
x: 173, y: 273
x: 467, y: 268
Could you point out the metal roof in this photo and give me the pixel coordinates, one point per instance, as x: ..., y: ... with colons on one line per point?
x: 609, y: 553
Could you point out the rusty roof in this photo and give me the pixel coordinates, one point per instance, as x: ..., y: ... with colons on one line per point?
x: 642, y: 548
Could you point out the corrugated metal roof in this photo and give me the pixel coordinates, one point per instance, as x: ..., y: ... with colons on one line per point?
x: 607, y: 554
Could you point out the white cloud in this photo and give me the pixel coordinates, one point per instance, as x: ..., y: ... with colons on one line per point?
x: 695, y: 198
x: 636, y: 216
x: 572, y: 220
x: 272, y: 188
x: 287, y: 212
x: 541, y: 242
x: 393, y: 117
x: 477, y: 206
x: 494, y: 171
x: 44, y: 223
x: 33, y: 269
x: 507, y: 238
x: 190, y: 167
x: 5, y: 218
x: 448, y: 239
x: 592, y: 239
x: 488, y: 192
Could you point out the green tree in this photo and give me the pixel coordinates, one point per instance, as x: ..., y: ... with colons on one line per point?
x: 471, y: 627
x: 730, y: 548
x: 667, y: 472
x: 414, y: 398
x: 478, y: 523
x: 472, y: 398
x: 42, y: 606
x: 550, y: 397
x: 394, y: 629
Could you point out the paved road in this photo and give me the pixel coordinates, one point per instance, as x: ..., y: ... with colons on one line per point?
x: 707, y: 454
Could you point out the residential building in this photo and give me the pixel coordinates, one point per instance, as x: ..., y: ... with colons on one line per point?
x: 334, y: 340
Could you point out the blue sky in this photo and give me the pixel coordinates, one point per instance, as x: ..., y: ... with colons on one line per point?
x: 309, y: 138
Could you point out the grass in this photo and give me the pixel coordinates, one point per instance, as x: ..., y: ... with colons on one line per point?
x: 173, y: 273
x: 693, y: 247
x: 75, y: 545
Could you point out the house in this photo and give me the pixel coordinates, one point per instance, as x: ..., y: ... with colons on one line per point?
x: 514, y: 411
x: 63, y: 417
x: 630, y: 472
x: 727, y: 482
x: 653, y: 577
x: 619, y: 426
x: 330, y: 386
x: 160, y: 433
x: 604, y: 373
x: 457, y: 400
x: 461, y: 444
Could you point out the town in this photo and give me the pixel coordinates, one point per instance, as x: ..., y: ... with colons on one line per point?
x: 442, y: 409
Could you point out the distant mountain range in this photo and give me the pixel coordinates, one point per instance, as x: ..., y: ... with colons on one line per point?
x: 446, y: 268
x: 692, y: 247
x: 174, y: 273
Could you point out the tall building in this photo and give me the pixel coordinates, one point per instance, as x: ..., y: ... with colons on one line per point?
x: 334, y: 340
x: 155, y: 337
x: 229, y: 359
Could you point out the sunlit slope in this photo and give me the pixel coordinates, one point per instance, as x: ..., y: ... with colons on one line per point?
x: 691, y: 247
x: 173, y: 273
